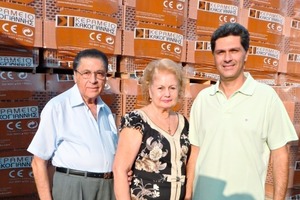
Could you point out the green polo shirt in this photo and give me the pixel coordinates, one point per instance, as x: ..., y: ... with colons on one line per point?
x: 235, y: 136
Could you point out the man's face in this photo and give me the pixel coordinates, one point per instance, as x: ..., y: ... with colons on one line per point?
x: 230, y: 57
x: 90, y: 77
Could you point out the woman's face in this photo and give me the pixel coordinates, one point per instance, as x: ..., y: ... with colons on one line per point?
x: 164, y: 89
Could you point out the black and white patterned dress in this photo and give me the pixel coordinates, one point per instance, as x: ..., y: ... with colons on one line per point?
x: 159, y: 170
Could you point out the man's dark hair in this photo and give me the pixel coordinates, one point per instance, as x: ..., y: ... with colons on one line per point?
x: 90, y: 53
x: 228, y: 29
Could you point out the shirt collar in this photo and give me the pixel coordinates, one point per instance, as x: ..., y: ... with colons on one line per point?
x: 247, y: 88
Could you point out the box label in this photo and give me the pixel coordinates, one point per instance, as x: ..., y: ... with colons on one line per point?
x: 18, y: 123
x: 262, y: 57
x: 217, y: 14
x: 84, y: 30
x: 17, y: 25
x: 265, y: 26
x: 160, y: 41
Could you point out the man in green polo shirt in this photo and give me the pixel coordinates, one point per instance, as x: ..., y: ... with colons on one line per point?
x: 235, y: 125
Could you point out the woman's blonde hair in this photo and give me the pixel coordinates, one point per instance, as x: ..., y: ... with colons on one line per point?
x: 156, y: 66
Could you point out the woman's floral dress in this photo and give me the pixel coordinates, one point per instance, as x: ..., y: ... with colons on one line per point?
x: 160, y: 166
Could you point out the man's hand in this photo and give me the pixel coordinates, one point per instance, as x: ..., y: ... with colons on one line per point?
x: 129, y: 174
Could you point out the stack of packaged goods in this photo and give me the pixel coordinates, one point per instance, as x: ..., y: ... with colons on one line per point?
x: 199, y: 56
x: 151, y: 30
x: 22, y: 98
x: 265, y: 22
x: 21, y: 33
x: 22, y: 94
x: 73, y: 26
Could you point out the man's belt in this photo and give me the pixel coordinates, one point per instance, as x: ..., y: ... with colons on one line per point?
x: 108, y: 175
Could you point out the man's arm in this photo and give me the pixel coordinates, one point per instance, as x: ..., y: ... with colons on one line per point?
x: 191, y: 165
x: 40, y: 172
x: 280, y: 164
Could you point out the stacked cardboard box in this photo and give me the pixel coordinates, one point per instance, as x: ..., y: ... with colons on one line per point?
x: 265, y: 22
x: 291, y: 54
x: 199, y: 55
x: 22, y: 98
x: 152, y: 30
x: 70, y: 27
x: 20, y: 33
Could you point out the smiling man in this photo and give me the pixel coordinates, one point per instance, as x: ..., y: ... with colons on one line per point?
x: 77, y: 132
x: 235, y: 125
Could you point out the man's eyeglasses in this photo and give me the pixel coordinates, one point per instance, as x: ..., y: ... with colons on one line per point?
x: 100, y: 75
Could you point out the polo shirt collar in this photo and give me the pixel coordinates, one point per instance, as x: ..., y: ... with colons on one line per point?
x: 247, y: 88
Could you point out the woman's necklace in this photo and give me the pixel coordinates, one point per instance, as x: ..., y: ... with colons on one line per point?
x: 166, y: 121
x: 169, y: 127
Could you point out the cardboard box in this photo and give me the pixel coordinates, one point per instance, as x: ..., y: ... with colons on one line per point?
x: 290, y: 58
x: 18, y: 124
x: 271, y: 4
x: 20, y: 82
x: 16, y: 174
x: 21, y: 33
x: 129, y: 64
x: 287, y: 92
x: 265, y: 77
x: 72, y: 28
x: 290, y: 61
x: 289, y: 80
x: 295, y: 7
x: 199, y: 51
x: 161, y: 42
x: 22, y: 87
x: 264, y: 24
x: 58, y: 83
x: 293, y: 109
x: 112, y: 96
x: 103, y: 6
x: 292, y: 29
x: 22, y: 97
x: 218, y: 13
x: 202, y: 73
x: 172, y: 13
x: 263, y: 57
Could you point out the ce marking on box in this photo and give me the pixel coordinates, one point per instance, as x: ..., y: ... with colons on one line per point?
x: 13, y: 29
x: 19, y: 173
x: 170, y: 4
x: 274, y: 27
x: 18, y: 125
x: 167, y: 47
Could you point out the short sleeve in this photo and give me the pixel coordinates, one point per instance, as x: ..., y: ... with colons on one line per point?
x: 134, y: 120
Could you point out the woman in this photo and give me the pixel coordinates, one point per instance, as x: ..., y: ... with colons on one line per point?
x: 153, y: 140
